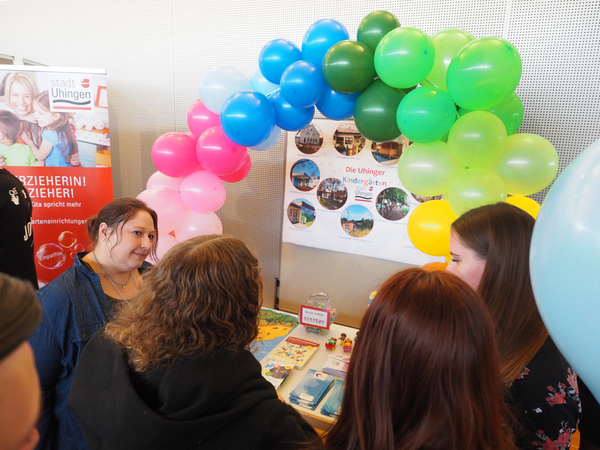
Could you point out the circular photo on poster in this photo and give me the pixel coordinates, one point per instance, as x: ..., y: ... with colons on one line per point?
x: 388, y: 153
x: 348, y: 141
x: 305, y: 175
x: 357, y: 221
x: 392, y: 204
x: 301, y: 213
x: 422, y: 199
x: 332, y: 193
x: 309, y: 140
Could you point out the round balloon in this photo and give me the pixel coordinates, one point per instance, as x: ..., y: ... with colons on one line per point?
x: 270, y: 141
x: 260, y: 83
x: 247, y: 118
x: 288, y: 117
x: 429, y: 227
x: 509, y: 111
x: 275, y: 57
x: 426, y: 114
x: 348, y: 67
x: 484, y: 73
x: 200, y: 119
x: 428, y: 169
x: 528, y: 164
x: 160, y: 180
x: 195, y: 224
x: 203, y: 192
x: 174, y: 154
x: 477, y: 139
x: 375, y: 26
x: 319, y: 38
x: 167, y: 204
x: 218, y: 154
x: 219, y: 84
x: 335, y: 105
x: 564, y: 249
x: 404, y: 57
x: 302, y: 84
x: 165, y: 243
x: 375, y: 112
x: 241, y: 173
x: 526, y: 204
x: 472, y: 188
x: 446, y: 43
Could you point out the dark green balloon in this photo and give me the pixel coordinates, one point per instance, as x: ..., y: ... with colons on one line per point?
x: 375, y: 26
x: 375, y: 112
x: 348, y: 67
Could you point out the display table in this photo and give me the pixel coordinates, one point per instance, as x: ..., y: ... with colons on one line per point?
x: 317, y: 360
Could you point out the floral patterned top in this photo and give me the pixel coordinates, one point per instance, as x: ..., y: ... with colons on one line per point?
x: 545, y: 401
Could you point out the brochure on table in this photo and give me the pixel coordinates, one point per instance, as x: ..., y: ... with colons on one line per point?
x: 342, y: 193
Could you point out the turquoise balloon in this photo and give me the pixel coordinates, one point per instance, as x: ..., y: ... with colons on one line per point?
x: 473, y: 188
x: 565, y: 250
x: 483, y: 73
x: 426, y: 115
x: 509, y: 111
x: 404, y: 57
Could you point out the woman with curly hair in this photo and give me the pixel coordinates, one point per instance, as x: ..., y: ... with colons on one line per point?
x: 173, y: 370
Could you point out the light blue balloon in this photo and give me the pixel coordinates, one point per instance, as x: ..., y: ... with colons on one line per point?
x: 288, y: 117
x: 271, y: 140
x: 302, y: 84
x: 275, y: 57
x: 337, y: 106
x: 260, y: 83
x: 247, y: 118
x: 565, y: 257
x: 219, y: 84
x: 320, y: 37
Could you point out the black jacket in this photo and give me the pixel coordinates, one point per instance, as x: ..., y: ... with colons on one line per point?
x: 219, y: 402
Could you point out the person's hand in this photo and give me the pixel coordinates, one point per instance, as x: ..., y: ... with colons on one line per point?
x: 280, y: 396
x: 75, y: 160
x: 2, y: 161
x: 27, y: 138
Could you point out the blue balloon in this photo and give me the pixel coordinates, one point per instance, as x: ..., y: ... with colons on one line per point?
x: 337, y: 106
x: 275, y: 57
x: 288, y: 117
x: 271, y: 140
x: 565, y: 250
x: 302, y: 84
x: 320, y: 37
x: 260, y: 83
x: 247, y: 118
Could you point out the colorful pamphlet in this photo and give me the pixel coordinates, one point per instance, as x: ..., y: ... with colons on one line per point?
x: 333, y: 404
x: 275, y: 372
x: 294, y: 351
x: 337, y: 365
x: 273, y: 327
x: 311, y: 389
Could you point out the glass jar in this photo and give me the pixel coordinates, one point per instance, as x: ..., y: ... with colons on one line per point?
x: 322, y: 301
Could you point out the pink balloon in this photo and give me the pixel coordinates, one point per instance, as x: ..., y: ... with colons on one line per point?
x: 200, y: 118
x: 167, y: 204
x: 241, y: 173
x: 165, y: 243
x: 198, y: 224
x: 218, y: 154
x: 203, y: 192
x: 174, y: 154
x: 160, y: 180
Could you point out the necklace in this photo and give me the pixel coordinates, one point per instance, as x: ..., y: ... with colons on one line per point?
x: 111, y: 280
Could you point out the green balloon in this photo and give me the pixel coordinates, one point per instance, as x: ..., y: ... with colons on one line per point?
x: 404, y: 57
x: 509, y: 111
x: 528, y: 164
x: 348, y: 67
x: 477, y: 139
x: 447, y: 43
x: 473, y: 188
x: 374, y: 27
x: 375, y: 112
x: 428, y: 169
x: 426, y: 114
x: 483, y: 73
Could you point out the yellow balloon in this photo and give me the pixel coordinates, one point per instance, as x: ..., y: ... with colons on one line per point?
x: 526, y: 204
x: 429, y: 227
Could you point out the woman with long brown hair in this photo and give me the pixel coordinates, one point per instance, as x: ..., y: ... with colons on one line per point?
x: 489, y: 247
x: 173, y: 370
x: 424, y: 373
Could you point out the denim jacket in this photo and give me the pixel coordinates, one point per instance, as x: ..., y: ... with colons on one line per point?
x: 75, y: 307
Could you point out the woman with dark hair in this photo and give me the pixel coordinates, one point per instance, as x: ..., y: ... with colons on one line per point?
x: 424, y: 373
x: 489, y: 247
x: 82, y: 300
x: 173, y: 370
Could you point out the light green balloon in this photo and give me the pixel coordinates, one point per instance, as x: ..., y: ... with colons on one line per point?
x: 428, y: 169
x: 477, y: 139
x: 473, y: 188
x: 509, y: 111
x: 528, y: 164
x: 447, y: 43
x: 404, y: 57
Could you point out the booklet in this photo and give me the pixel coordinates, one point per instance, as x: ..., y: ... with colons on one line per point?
x: 332, y: 406
x: 275, y: 372
x: 336, y: 365
x: 311, y: 389
x: 294, y: 352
